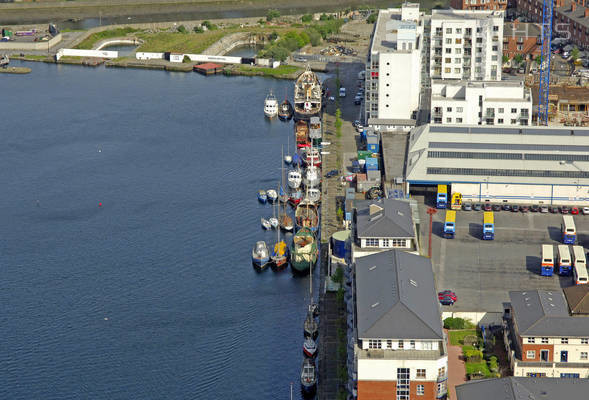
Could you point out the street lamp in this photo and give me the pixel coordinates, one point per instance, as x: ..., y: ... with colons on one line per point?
x: 431, y: 211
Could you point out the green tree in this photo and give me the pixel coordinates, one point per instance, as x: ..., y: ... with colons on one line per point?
x: 314, y: 37
x: 518, y: 58
x: 574, y: 54
x: 272, y: 14
x: 182, y: 29
x: 505, y: 59
x: 372, y: 18
x: 323, y: 17
x: 307, y: 18
x: 538, y: 60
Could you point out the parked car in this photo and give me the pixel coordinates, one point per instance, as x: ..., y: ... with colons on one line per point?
x: 524, y: 208
x: 479, y: 207
x: 446, y: 301
x: 331, y: 98
x: 543, y: 209
x: 506, y: 207
x: 355, y: 123
x: 515, y: 208
x: 359, y: 128
x: 487, y: 207
x: 564, y: 209
x: 357, y: 100
x: 575, y: 210
x: 535, y: 208
x: 553, y: 209
x: 342, y: 92
x: 447, y: 293
x: 467, y: 206
x: 585, y: 210
x: 496, y: 207
x: 332, y: 173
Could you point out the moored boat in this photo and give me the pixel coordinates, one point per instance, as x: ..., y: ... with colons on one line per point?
x: 262, y: 196
x: 271, y: 195
x: 310, y: 347
x: 260, y: 256
x: 279, y: 255
x: 295, y: 197
x: 314, y: 195
x: 302, y: 134
x: 285, y: 221
x: 311, y: 327
x: 303, y: 251
x: 307, y: 95
x: 273, y: 221
x: 270, y: 106
x: 307, y: 215
x: 294, y: 179
x: 312, y: 177
x: 315, y: 133
x: 308, y: 377
x: 312, y: 156
x: 265, y: 223
x: 285, y: 111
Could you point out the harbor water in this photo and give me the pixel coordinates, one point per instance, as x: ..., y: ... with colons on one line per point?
x: 129, y: 213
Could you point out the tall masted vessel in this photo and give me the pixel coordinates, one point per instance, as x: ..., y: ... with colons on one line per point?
x: 307, y: 95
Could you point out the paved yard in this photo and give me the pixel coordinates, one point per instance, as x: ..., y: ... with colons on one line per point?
x: 482, y: 272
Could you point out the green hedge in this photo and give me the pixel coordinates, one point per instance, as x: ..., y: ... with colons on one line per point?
x: 458, y: 323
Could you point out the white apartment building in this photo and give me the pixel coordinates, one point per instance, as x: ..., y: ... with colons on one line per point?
x: 480, y: 103
x: 466, y: 44
x: 542, y: 339
x: 399, y: 349
x: 393, y: 79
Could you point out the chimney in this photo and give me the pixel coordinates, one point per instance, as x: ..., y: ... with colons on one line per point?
x: 586, y: 12
x: 374, y: 208
x: 573, y: 7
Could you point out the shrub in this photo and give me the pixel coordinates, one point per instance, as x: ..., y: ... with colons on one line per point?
x: 458, y: 323
x: 518, y: 58
x: 307, y: 18
x: 209, y: 25
x: 473, y: 355
x: 182, y: 29
x: 574, y: 54
x: 470, y: 340
x: 372, y: 18
x: 505, y: 59
x: 493, y: 365
x: 338, y: 275
x: 198, y: 29
x: 272, y: 14
x: 314, y: 37
x: 186, y: 59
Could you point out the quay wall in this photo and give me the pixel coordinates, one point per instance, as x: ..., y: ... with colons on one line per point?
x: 86, y: 53
x: 16, y: 45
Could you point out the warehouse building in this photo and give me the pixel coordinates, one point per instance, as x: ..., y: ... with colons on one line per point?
x: 537, y: 165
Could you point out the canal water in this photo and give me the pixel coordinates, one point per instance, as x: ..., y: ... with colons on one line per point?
x: 128, y: 216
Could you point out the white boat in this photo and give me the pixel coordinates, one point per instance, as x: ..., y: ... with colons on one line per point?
x: 314, y: 195
x: 310, y: 347
x: 265, y: 223
x: 273, y: 222
x: 260, y: 256
x: 288, y: 159
x: 272, y: 195
x: 270, y: 106
x: 294, y: 179
x: 311, y: 177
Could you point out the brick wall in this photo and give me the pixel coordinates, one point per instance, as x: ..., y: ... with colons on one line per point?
x: 537, y: 348
x: 430, y: 389
x: 377, y: 390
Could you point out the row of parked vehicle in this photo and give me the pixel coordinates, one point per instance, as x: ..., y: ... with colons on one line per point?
x: 525, y: 208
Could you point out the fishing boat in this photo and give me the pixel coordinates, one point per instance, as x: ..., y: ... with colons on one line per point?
x: 285, y: 111
x: 294, y: 179
x: 270, y: 106
x: 314, y: 195
x: 282, y: 196
x: 265, y: 224
x: 271, y: 195
x: 273, y: 221
x: 303, y: 251
x: 310, y: 347
x: 262, y: 196
x: 307, y: 95
x: 312, y: 156
x: 284, y: 220
x: 308, y: 377
x: 260, y: 256
x: 311, y: 179
x: 295, y: 197
x: 307, y: 215
x: 302, y: 134
x: 315, y: 133
x: 279, y: 255
x: 311, y: 327
x: 287, y: 159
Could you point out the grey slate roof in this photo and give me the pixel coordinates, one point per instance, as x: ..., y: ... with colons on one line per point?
x: 396, y: 297
x: 522, y: 388
x: 394, y: 221
x: 545, y: 313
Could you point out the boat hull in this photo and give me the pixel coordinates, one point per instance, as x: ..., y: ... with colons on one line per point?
x: 260, y: 263
x: 302, y: 266
x: 262, y: 199
x: 309, y: 353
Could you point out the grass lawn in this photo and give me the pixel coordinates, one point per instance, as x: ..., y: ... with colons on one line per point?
x: 457, y: 337
x: 475, y: 368
x: 193, y: 43
x: 98, y: 36
x: 280, y: 71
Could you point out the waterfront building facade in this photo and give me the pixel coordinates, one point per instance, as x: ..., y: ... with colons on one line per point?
x: 517, y: 388
x: 475, y: 5
x: 480, y: 103
x: 399, y: 350
x: 466, y: 45
x: 542, y: 339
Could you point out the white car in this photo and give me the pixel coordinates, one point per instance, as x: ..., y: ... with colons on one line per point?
x: 585, y: 210
x: 342, y: 92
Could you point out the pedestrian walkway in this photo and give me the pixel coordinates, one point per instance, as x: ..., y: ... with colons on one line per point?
x: 456, y: 368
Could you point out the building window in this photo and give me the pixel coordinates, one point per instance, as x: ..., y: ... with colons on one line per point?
x: 456, y: 70
x: 449, y: 50
x: 389, y: 344
x: 400, y: 345
x: 478, y: 59
x: 495, y: 28
x: 514, y: 110
x: 495, y: 48
x: 448, y: 41
x: 449, y: 109
x: 371, y: 242
x: 584, y: 341
x: 458, y: 120
x: 458, y: 51
x: 564, y: 340
x: 399, y: 243
x: 563, y: 375
x: 458, y: 30
x: 426, y: 345
x: 520, y: 47
x: 500, y: 121
x: 402, y: 383
x: 493, y: 58
x: 544, y: 340
x: 531, y: 354
x: 441, y: 389
x: 385, y: 243
x: 531, y: 340
x: 458, y: 41
x: 412, y: 344
x: 374, y: 344
x: 420, y: 390
x: 448, y: 60
x: 449, y: 120
x: 447, y: 70
x: 583, y: 355
x: 513, y: 121
x: 420, y: 373
x: 442, y: 371
x: 501, y: 110
x: 457, y: 61
x: 448, y: 30
x: 459, y: 109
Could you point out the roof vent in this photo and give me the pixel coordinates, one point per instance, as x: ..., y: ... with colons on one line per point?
x: 400, y: 213
x: 375, y: 304
x: 552, y: 304
x: 413, y: 282
x: 372, y: 268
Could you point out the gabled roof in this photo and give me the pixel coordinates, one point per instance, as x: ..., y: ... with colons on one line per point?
x: 578, y: 298
x: 522, y: 388
x: 385, y: 218
x: 396, y: 297
x: 545, y: 313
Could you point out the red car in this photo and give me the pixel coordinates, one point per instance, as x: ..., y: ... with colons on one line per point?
x: 574, y: 210
x: 447, y: 293
x: 488, y: 207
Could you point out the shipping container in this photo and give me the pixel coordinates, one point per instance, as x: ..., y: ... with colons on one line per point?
x: 371, y: 164
x: 362, y: 154
x: 372, y: 144
x: 373, y: 175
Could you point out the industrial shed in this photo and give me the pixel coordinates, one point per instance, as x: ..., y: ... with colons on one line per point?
x: 538, y: 165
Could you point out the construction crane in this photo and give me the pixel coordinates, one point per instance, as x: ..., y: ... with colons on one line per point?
x: 544, y: 87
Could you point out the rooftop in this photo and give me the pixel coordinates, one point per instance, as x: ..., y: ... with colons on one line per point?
x: 545, y: 313
x: 578, y: 15
x: 379, y: 354
x: 385, y: 218
x: 387, y: 29
x: 578, y: 299
x: 521, y: 388
x: 572, y: 94
x: 450, y: 14
x: 396, y: 297
x: 521, y: 29
x: 457, y: 153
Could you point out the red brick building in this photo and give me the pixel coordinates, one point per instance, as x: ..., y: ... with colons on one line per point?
x: 571, y: 18
x: 522, y: 38
x: 478, y: 4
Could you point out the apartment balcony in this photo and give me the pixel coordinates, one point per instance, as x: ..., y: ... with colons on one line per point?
x: 466, y: 61
x: 384, y: 354
x: 495, y: 38
x: 437, y: 114
x: 489, y: 114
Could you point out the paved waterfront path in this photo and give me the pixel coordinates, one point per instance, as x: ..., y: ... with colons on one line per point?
x: 456, y: 368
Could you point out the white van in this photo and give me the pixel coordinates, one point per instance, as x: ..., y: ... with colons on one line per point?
x: 342, y: 92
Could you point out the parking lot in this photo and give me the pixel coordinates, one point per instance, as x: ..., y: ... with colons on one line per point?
x: 482, y: 272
